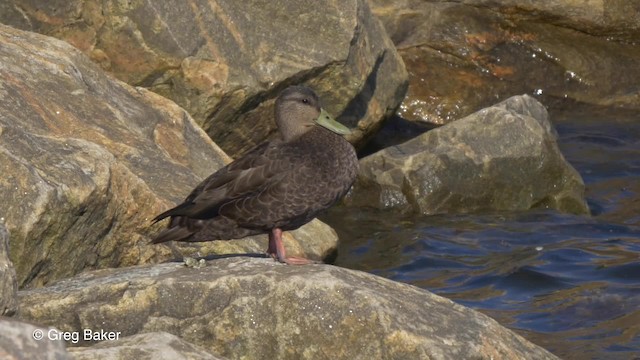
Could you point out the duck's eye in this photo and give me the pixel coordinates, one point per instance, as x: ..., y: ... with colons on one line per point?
x: 305, y: 101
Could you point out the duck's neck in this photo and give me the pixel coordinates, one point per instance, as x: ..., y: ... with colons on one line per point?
x: 293, y: 133
x: 322, y: 139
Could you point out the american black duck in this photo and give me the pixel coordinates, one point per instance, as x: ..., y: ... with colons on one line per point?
x: 278, y: 186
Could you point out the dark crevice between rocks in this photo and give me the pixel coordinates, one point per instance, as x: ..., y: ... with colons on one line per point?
x: 35, y: 271
x: 331, y: 257
x: 357, y: 108
x: 395, y: 130
x: 221, y: 106
x: 151, y: 79
x: 179, y: 258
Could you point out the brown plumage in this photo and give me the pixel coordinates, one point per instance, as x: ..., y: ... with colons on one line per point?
x: 278, y: 186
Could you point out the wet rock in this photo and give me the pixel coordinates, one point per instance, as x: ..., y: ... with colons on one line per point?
x: 89, y: 161
x: 255, y: 308
x: 20, y: 340
x: 155, y: 345
x: 500, y: 158
x: 224, y: 61
x: 597, y: 17
x: 466, y: 55
x: 8, y: 283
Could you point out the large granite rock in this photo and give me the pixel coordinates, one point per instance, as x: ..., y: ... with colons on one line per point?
x: 89, y: 161
x: 258, y: 309
x: 8, y: 282
x: 501, y: 158
x: 20, y: 340
x: 221, y: 60
x: 154, y: 345
x: 466, y: 55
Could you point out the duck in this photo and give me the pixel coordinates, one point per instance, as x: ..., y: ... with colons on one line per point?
x: 277, y: 186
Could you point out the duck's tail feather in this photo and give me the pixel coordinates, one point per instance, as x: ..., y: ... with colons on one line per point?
x: 176, y: 233
x: 175, y: 211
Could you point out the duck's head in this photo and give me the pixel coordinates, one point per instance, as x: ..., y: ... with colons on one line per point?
x: 298, y: 111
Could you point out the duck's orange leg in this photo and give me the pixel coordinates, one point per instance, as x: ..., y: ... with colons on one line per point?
x: 276, y: 250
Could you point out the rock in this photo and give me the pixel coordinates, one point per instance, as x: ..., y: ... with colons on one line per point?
x: 256, y: 309
x: 90, y: 161
x: 596, y: 17
x: 155, y: 345
x: 224, y: 61
x: 8, y: 283
x: 466, y: 55
x: 18, y: 341
x: 501, y: 158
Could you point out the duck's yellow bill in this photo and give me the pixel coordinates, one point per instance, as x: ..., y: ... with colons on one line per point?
x: 326, y: 121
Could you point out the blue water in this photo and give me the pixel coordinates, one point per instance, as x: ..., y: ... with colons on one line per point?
x: 568, y: 283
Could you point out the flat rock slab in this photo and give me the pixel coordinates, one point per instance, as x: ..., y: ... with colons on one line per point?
x: 501, y: 158
x: 246, y: 308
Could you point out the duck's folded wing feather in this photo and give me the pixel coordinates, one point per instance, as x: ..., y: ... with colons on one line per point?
x: 248, y: 175
x: 288, y: 195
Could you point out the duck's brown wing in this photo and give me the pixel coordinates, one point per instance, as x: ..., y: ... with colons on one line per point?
x: 277, y: 203
x: 306, y: 185
x: 245, y: 176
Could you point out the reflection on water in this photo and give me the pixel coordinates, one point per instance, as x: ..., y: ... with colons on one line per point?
x: 568, y: 283
x: 563, y: 280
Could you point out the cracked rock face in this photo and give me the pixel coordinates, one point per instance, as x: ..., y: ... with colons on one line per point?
x: 220, y: 60
x: 243, y: 308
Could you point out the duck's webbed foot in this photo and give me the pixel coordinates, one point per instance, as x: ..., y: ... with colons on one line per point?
x: 277, y: 252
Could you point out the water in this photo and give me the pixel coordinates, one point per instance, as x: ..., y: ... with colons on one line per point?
x: 570, y: 284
